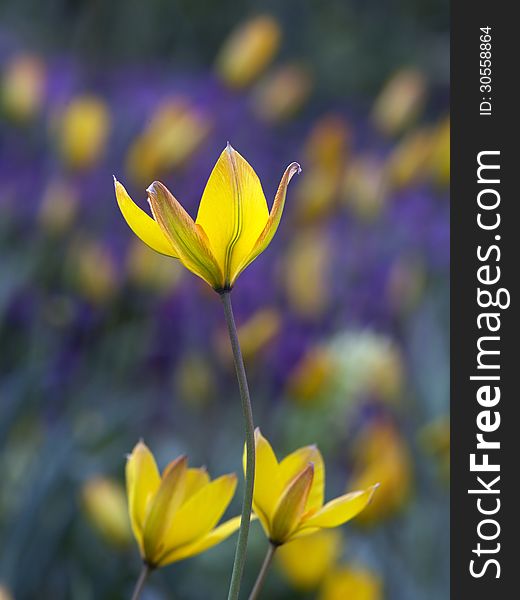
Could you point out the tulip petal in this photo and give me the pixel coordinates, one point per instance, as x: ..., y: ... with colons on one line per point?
x: 233, y: 211
x: 188, y: 239
x: 195, y: 480
x: 299, y: 533
x: 294, y: 463
x: 340, y: 510
x: 267, y: 489
x: 291, y: 506
x: 213, y: 538
x: 141, y: 224
x: 163, y: 507
x: 267, y: 234
x: 142, y: 482
x: 201, y: 512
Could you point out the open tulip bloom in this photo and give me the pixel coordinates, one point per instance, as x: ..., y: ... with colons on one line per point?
x: 289, y: 495
x: 174, y: 516
x: 233, y: 224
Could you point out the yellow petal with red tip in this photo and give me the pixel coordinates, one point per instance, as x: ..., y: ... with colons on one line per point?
x: 298, y: 460
x: 233, y: 211
x: 189, y: 240
x: 267, y: 233
x: 141, y: 224
x: 340, y: 510
x: 291, y: 506
x: 162, y: 509
x: 142, y: 483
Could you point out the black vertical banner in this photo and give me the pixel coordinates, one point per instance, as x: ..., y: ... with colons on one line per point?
x: 485, y: 172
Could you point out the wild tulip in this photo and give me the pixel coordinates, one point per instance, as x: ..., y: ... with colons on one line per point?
x: 289, y: 495
x: 288, y: 499
x: 174, y: 515
x: 233, y: 224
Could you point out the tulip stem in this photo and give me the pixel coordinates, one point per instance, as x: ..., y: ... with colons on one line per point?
x: 241, y: 548
x: 260, y: 580
x: 143, y: 576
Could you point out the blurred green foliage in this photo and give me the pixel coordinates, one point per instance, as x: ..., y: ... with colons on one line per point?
x: 350, y: 46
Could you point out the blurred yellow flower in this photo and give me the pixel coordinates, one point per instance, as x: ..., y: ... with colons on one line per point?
x: 233, y: 224
x: 354, y: 583
x: 149, y: 270
x: 175, y: 132
x: 59, y: 207
x: 255, y: 334
x: 248, y: 51
x: 326, y: 150
x: 195, y: 381
x: 410, y: 160
x: 400, y: 102
x: 282, y: 93
x: 22, y: 87
x: 289, y: 495
x: 174, y: 516
x: 104, y: 503
x: 365, y: 187
x: 83, y: 130
x: 381, y: 452
x: 305, y: 561
x: 5, y: 594
x: 93, y: 269
x: 308, y: 259
x: 328, y: 143
x: 440, y: 155
x: 312, y: 376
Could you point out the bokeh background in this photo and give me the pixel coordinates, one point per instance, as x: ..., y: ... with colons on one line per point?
x: 343, y: 320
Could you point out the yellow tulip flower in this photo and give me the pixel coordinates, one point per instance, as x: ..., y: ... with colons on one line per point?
x: 173, y: 516
x: 232, y: 228
x: 289, y: 495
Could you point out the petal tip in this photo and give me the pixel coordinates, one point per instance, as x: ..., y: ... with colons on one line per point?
x: 151, y: 188
x: 373, y: 490
x: 294, y: 169
x: 232, y: 477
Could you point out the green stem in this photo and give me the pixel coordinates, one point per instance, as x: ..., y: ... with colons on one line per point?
x: 143, y: 576
x: 260, y: 580
x: 241, y: 549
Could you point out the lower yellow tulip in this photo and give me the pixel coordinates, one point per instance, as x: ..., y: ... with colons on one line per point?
x: 175, y: 516
x: 289, y: 495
